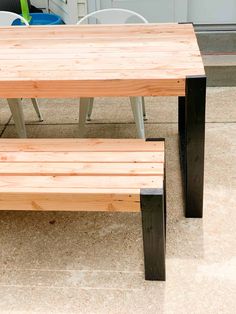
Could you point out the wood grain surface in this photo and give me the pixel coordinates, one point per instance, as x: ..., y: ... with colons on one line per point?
x: 74, y: 174
x: 97, y: 60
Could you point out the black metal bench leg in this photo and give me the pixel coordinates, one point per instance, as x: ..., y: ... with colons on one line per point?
x: 192, y: 147
x: 153, y: 222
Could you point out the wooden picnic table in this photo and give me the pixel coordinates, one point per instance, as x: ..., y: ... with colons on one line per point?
x: 115, y: 60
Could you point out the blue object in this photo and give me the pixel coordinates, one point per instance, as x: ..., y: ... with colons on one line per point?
x: 42, y: 19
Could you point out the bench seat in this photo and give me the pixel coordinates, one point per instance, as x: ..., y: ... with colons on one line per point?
x: 124, y: 175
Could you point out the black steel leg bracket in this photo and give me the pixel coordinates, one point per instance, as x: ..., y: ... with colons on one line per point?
x: 153, y: 222
x: 192, y: 139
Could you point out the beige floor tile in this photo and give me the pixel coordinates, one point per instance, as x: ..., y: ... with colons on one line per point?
x: 5, y: 113
x: 44, y: 131
x: 107, y: 130
x: 106, y: 110
x: 221, y: 104
x: 54, y: 111
x: 159, y: 109
x: 93, y: 262
x: 1, y: 129
x: 118, y: 110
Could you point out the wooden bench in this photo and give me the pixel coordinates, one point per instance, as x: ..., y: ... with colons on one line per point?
x: 90, y: 175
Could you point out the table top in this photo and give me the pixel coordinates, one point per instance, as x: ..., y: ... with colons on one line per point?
x: 97, y: 60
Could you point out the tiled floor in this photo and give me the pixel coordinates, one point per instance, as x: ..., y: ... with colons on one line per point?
x: 93, y: 262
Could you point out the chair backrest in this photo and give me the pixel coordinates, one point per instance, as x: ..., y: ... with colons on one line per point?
x: 7, y: 18
x: 113, y: 16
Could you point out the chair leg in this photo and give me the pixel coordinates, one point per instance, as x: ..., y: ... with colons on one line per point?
x: 36, y: 108
x: 144, y: 109
x: 90, y: 109
x: 83, y: 109
x: 137, y: 109
x: 18, y: 116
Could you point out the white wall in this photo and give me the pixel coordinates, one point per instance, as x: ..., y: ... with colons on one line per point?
x: 41, y: 4
x: 212, y: 11
x: 153, y: 10
x: 197, y: 11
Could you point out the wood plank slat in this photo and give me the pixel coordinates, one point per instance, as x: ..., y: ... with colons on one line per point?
x: 74, y: 88
x: 106, y: 51
x: 80, y: 145
x: 80, y: 169
x: 170, y: 29
x: 7, y: 183
x: 100, y: 63
x: 84, y: 55
x: 127, y: 200
x: 119, y: 43
x: 85, y: 157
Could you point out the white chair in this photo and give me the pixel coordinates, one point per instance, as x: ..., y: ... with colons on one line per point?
x: 6, y: 19
x: 113, y: 16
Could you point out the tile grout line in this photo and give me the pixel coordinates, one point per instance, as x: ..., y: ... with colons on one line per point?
x: 116, y: 123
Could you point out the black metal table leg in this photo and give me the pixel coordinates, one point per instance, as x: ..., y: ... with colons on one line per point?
x: 153, y: 222
x: 192, y: 139
x: 182, y: 139
x: 181, y: 112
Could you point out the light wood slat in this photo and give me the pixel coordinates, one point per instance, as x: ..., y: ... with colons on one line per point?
x: 99, y: 64
x: 119, y: 43
x: 73, y: 191
x: 95, y: 37
x: 71, y: 200
x: 92, y: 30
x: 92, y: 169
x: 109, y: 59
x: 79, y: 49
x: 98, y: 77
x: 80, y: 145
x: 96, y: 30
x: 70, y: 157
x: 124, y: 52
x: 105, y: 182
x: 82, y: 88
x: 103, y: 75
x: 85, y: 55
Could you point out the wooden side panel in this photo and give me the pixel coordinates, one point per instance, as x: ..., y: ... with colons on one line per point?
x: 74, y: 88
x: 63, y: 200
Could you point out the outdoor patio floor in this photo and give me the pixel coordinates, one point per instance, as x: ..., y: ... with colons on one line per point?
x: 78, y: 262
